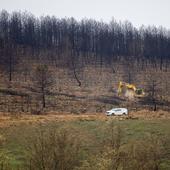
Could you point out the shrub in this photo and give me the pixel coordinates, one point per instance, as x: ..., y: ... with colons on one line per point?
x: 59, y: 149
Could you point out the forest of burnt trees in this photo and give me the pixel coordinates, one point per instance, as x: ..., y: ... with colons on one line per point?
x: 68, y: 43
x: 22, y: 33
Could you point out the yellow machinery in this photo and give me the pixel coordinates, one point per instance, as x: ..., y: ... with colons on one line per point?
x: 138, y: 92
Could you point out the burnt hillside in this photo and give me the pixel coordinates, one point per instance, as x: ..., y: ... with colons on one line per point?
x: 54, y: 63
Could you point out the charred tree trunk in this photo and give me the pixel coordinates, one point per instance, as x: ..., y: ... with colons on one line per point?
x: 75, y: 74
x: 43, y: 97
x: 10, y: 67
x: 74, y: 69
x: 153, y: 91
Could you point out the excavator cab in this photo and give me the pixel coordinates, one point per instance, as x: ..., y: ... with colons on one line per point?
x: 139, y: 91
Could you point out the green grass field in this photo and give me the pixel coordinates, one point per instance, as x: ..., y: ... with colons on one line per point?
x: 17, y: 138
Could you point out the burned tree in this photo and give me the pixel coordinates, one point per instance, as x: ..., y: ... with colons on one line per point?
x: 152, y: 94
x: 43, y: 81
x: 153, y: 88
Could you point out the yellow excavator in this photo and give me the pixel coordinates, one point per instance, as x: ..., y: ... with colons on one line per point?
x: 126, y: 87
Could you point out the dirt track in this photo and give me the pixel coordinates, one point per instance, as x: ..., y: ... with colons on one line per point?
x: 8, y: 120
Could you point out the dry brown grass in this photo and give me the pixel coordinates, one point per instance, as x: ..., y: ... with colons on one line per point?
x: 7, y: 119
x: 146, y: 114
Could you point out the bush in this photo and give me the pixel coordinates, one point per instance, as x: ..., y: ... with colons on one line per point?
x: 59, y: 149
x: 5, y: 162
x: 143, y: 154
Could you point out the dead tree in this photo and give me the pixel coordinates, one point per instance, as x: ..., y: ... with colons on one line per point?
x: 43, y: 81
x: 153, y: 90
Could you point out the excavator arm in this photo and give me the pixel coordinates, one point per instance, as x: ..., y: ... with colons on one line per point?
x: 129, y: 87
